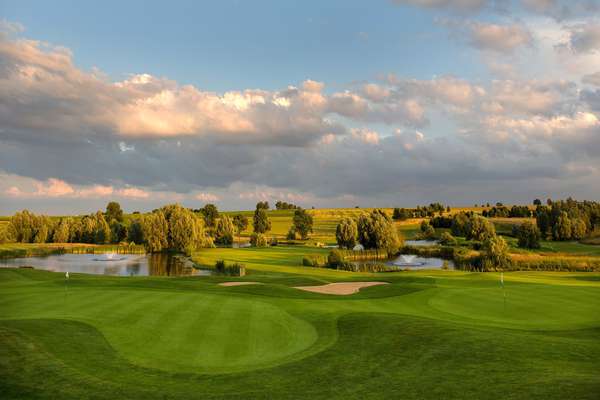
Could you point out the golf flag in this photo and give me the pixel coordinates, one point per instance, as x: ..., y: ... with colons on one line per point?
x: 502, y: 278
x: 67, y: 275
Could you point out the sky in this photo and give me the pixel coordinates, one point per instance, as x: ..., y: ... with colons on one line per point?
x: 328, y: 104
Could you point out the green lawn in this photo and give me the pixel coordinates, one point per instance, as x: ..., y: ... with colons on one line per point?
x: 444, y: 334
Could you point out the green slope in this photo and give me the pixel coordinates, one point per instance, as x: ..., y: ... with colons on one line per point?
x: 425, y: 335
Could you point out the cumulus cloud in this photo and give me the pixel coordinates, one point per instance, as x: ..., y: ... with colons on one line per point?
x: 500, y: 38
x: 58, y: 188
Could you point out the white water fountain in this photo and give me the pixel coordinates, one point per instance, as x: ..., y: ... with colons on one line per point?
x: 109, y: 257
x: 407, y: 260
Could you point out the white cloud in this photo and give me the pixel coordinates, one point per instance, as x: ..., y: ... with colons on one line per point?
x: 206, y: 197
x: 499, y: 38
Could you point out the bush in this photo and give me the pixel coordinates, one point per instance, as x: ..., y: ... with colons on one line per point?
x: 234, y: 269
x: 335, y: 258
x: 258, y: 240
x: 313, y: 261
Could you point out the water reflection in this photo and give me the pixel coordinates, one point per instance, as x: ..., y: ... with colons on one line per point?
x: 107, y: 264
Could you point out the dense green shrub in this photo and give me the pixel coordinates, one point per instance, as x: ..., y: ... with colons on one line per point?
x: 258, y: 240
x: 234, y: 269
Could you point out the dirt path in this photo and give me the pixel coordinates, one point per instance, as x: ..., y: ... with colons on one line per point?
x: 340, y: 288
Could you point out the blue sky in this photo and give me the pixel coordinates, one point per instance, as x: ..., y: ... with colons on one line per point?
x: 226, y: 45
x: 321, y: 103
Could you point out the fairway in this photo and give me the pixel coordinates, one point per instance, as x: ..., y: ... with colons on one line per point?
x: 423, y: 335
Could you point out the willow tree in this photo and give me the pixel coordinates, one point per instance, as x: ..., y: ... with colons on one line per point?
x: 346, y: 233
x: 224, y: 231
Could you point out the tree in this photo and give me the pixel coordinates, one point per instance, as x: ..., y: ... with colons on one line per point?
x: 113, y: 211
x: 264, y: 205
x: 495, y: 252
x: 102, y: 232
x: 62, y: 232
x: 261, y: 222
x: 224, y: 231
x: 241, y: 223
x: 537, y: 202
x: 401, y: 214
x: 460, y: 223
x: 578, y: 229
x: 186, y: 231
x: 291, y: 235
x: 346, y: 233
x: 542, y: 219
x: 118, y: 231
x: 528, y: 236
x: 135, y: 232
x: 303, y: 223
x: 155, y: 231
x: 211, y: 214
x: 377, y: 231
x: 479, y: 229
x: 427, y: 231
x: 20, y: 227
x: 562, y: 228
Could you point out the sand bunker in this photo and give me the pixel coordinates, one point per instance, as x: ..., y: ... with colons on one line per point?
x: 340, y: 288
x: 239, y: 283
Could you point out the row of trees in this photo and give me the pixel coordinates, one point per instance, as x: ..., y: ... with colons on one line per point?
x: 27, y: 227
x: 282, y: 205
x: 505, y: 212
x: 375, y: 230
x: 402, y: 214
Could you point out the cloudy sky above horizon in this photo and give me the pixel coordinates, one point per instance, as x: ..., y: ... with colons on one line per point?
x: 325, y: 104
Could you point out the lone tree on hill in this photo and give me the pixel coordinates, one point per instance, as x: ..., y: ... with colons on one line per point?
x: 303, y: 223
x: 261, y: 222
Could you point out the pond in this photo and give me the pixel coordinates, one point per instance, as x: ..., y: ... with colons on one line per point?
x: 110, y: 264
x: 403, y: 262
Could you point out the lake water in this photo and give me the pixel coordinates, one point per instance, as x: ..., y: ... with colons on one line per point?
x: 109, y: 264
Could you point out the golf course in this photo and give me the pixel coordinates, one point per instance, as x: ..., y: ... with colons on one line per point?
x: 429, y: 334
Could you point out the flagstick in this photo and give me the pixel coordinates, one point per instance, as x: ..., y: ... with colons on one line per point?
x: 503, y: 290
